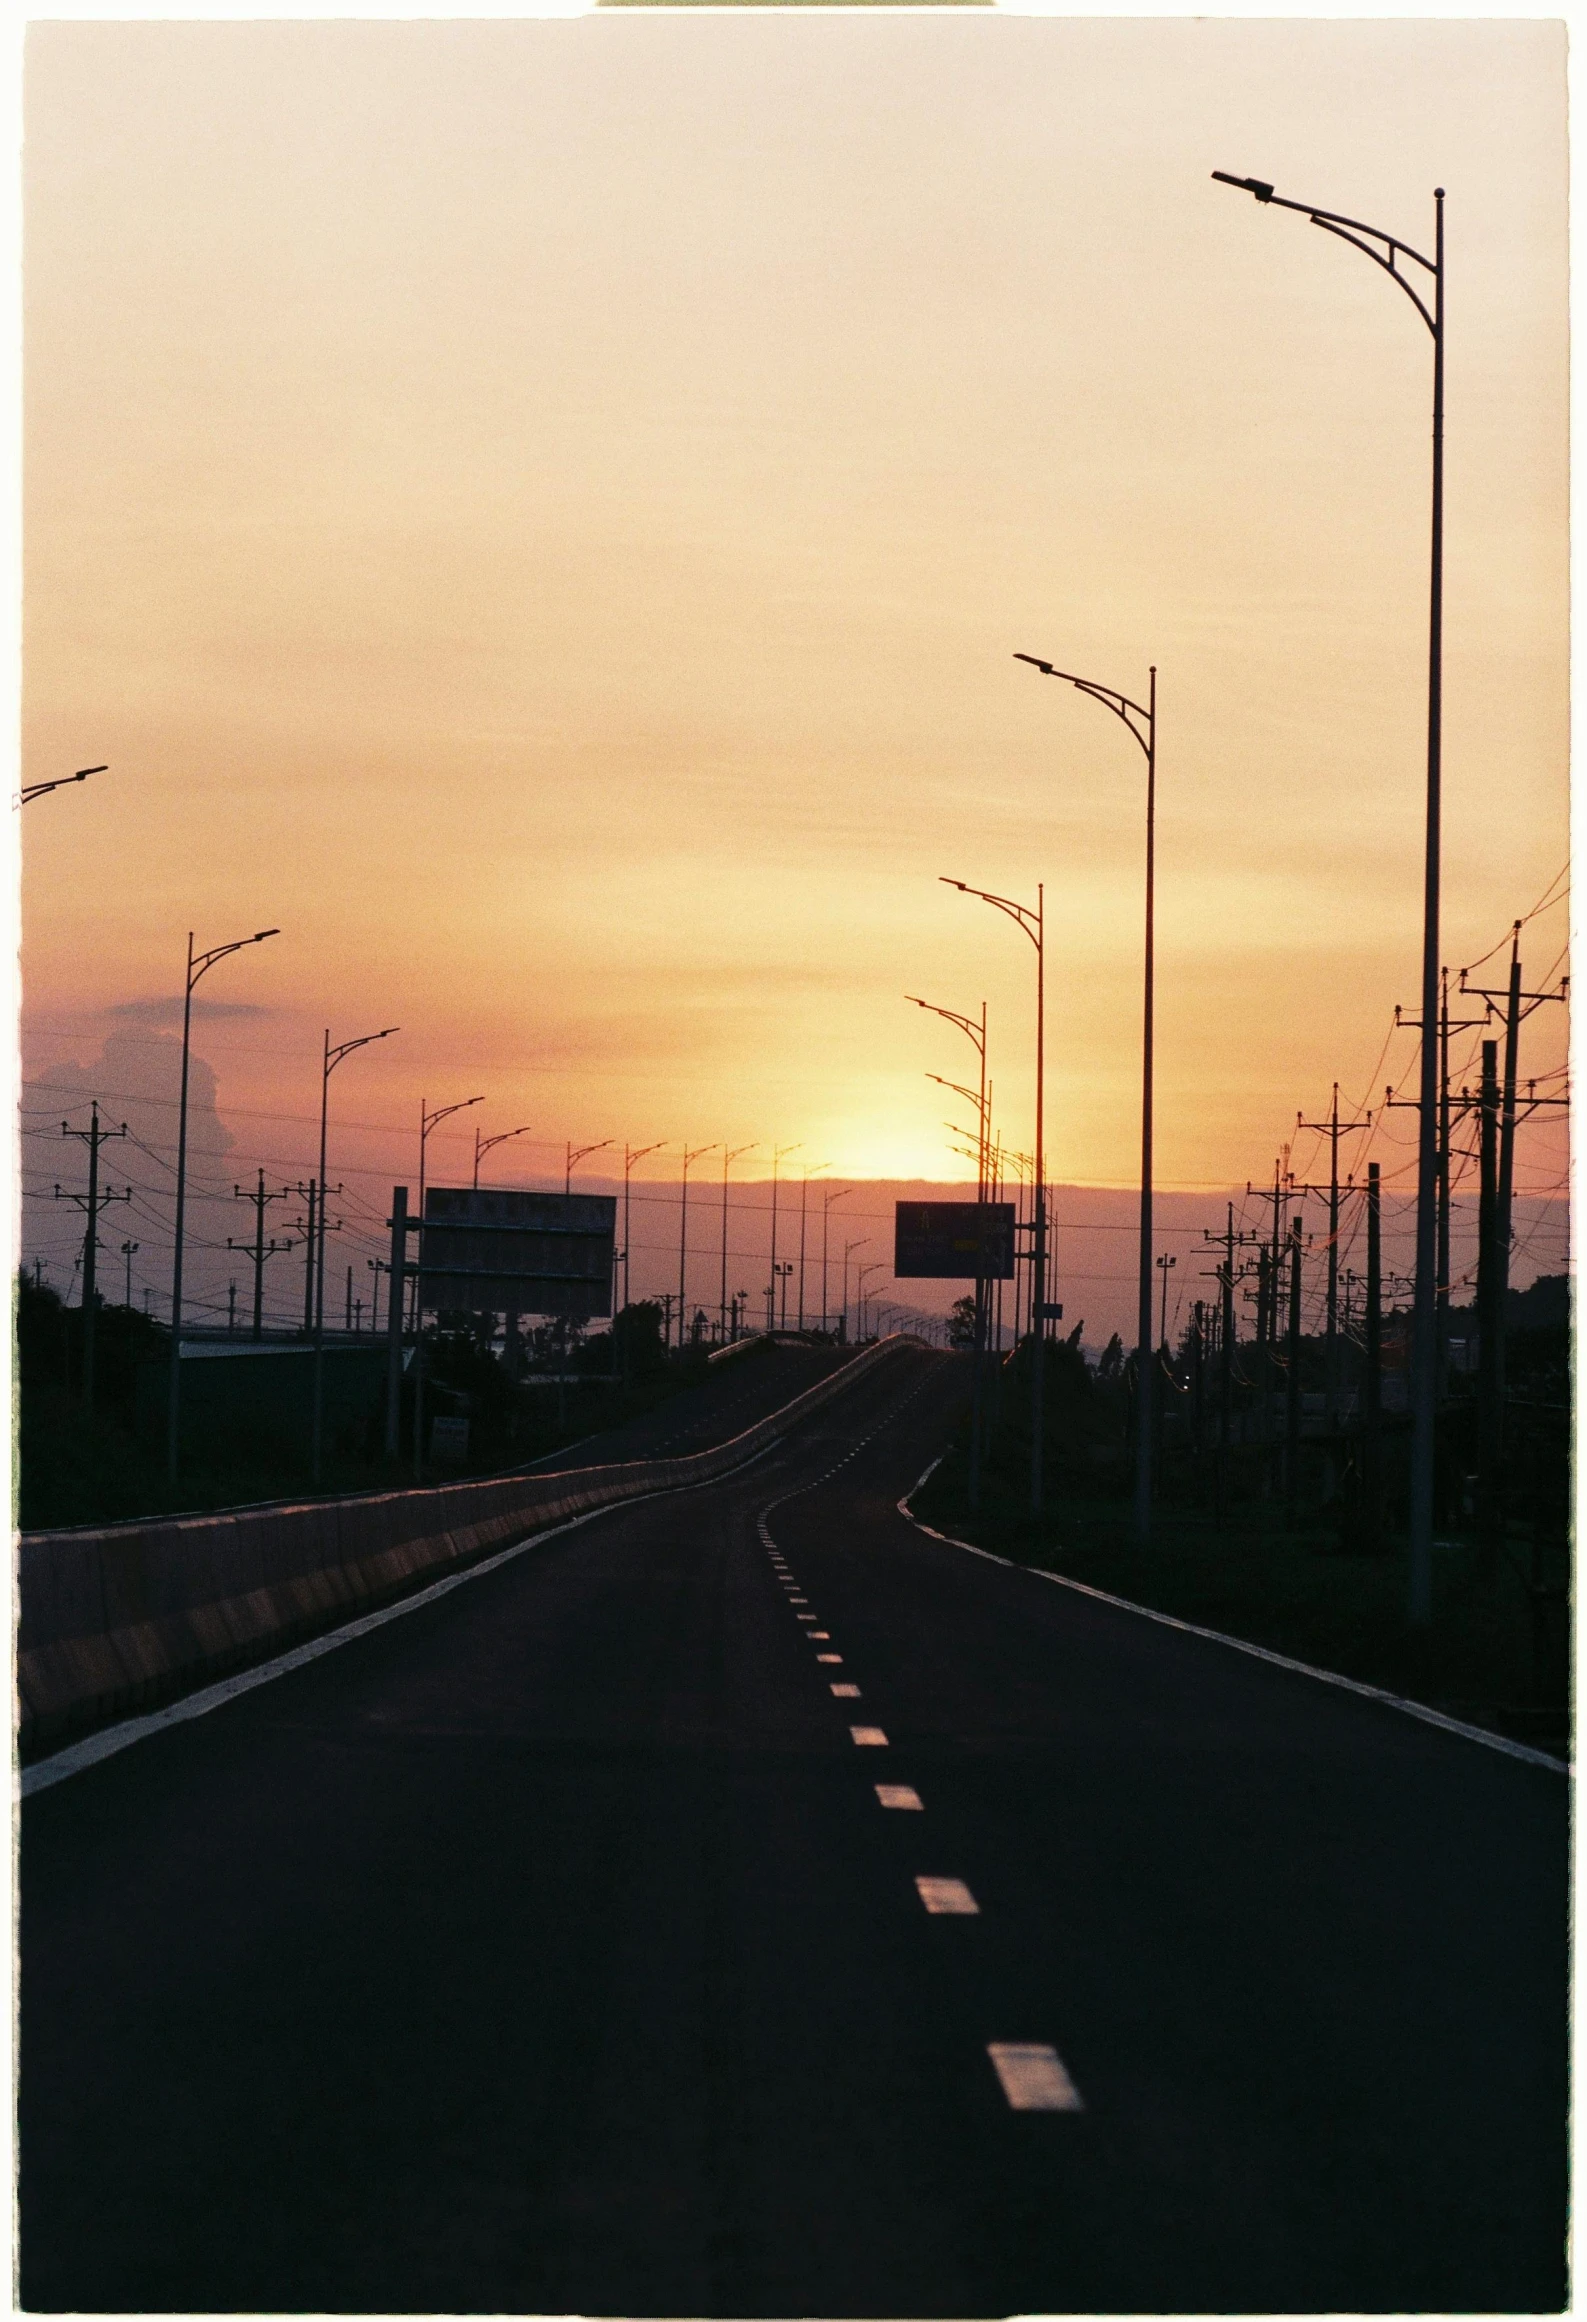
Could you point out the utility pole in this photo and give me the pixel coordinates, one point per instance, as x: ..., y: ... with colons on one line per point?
x: 401, y: 1226
x: 1282, y: 1191
x: 91, y: 1202
x: 1372, y: 1398
x: 1442, y: 1159
x: 129, y: 1251
x: 1231, y: 1241
x: 1490, y: 1323
x: 1518, y: 1005
x: 311, y: 1194
x: 259, y: 1248
x: 1335, y: 1129
x: 1292, y: 1405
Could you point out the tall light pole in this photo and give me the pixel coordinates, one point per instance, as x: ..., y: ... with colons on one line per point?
x: 728, y: 1158
x: 976, y: 1034
x: 1034, y: 925
x: 198, y: 965
x: 804, y: 1195
x: 576, y: 1154
x: 427, y: 1121
x: 871, y: 1266
x: 1386, y: 250
x: 778, y: 1154
x: 631, y: 1154
x: 689, y: 1154
x: 482, y: 1145
x: 331, y: 1058
x: 863, y: 1242
x: 827, y: 1199
x: 1141, y: 722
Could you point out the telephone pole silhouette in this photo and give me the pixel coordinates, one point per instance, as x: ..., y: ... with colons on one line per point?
x: 259, y: 1249
x: 1335, y: 1128
x: 1518, y: 1005
x: 1443, y: 1177
x: 91, y: 1202
x: 1230, y: 1241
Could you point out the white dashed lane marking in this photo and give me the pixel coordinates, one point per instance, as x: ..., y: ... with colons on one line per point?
x: 847, y: 1692
x: 1033, y: 2077
x: 869, y: 1737
x: 900, y: 1796
x: 811, y: 1617
x: 835, y: 1658
x: 948, y: 1898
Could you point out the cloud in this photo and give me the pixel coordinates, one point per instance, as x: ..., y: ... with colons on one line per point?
x: 167, y: 1009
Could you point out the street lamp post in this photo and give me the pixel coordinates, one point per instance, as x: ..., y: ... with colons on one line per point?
x: 482, y: 1145
x: 804, y: 1195
x: 861, y: 1243
x: 1386, y: 250
x: 1141, y: 722
x: 976, y: 1034
x: 778, y: 1154
x: 1034, y: 925
x: 631, y: 1154
x: 871, y: 1266
x: 827, y: 1199
x: 331, y: 1058
x: 427, y: 1121
x: 689, y: 1155
x: 575, y: 1154
x: 196, y: 967
x: 728, y: 1158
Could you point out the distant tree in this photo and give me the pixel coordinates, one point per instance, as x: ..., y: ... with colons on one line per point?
x: 637, y: 1330
x: 961, y: 1323
x: 1111, y: 1366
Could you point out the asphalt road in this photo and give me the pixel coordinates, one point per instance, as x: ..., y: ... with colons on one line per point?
x: 550, y: 1949
x: 730, y: 1398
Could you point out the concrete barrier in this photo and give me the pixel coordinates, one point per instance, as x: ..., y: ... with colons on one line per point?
x: 115, y: 1618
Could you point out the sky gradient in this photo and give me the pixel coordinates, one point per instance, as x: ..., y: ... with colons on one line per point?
x: 543, y: 513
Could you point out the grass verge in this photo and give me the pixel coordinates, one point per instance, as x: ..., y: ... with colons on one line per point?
x: 1496, y: 1652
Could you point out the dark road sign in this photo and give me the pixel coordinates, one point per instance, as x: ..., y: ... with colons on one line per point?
x: 953, y: 1241
x: 517, y: 1253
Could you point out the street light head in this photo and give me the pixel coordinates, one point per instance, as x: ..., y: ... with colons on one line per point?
x: 1251, y: 185
x: 264, y: 932
x: 1045, y: 667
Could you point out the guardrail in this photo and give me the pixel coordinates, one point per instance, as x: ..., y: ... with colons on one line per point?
x: 116, y: 1618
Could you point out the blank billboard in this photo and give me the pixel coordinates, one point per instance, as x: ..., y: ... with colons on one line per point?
x: 960, y: 1241
x: 495, y: 1252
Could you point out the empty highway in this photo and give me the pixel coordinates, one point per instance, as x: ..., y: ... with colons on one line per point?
x: 745, y: 1904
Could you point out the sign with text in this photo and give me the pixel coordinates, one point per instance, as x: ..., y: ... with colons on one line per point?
x: 959, y: 1241
x: 499, y: 1252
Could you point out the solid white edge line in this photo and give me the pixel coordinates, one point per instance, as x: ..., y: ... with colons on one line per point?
x: 1416, y: 1709
x: 44, y: 1773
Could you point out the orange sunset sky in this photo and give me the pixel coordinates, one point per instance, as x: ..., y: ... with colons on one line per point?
x: 542, y: 512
